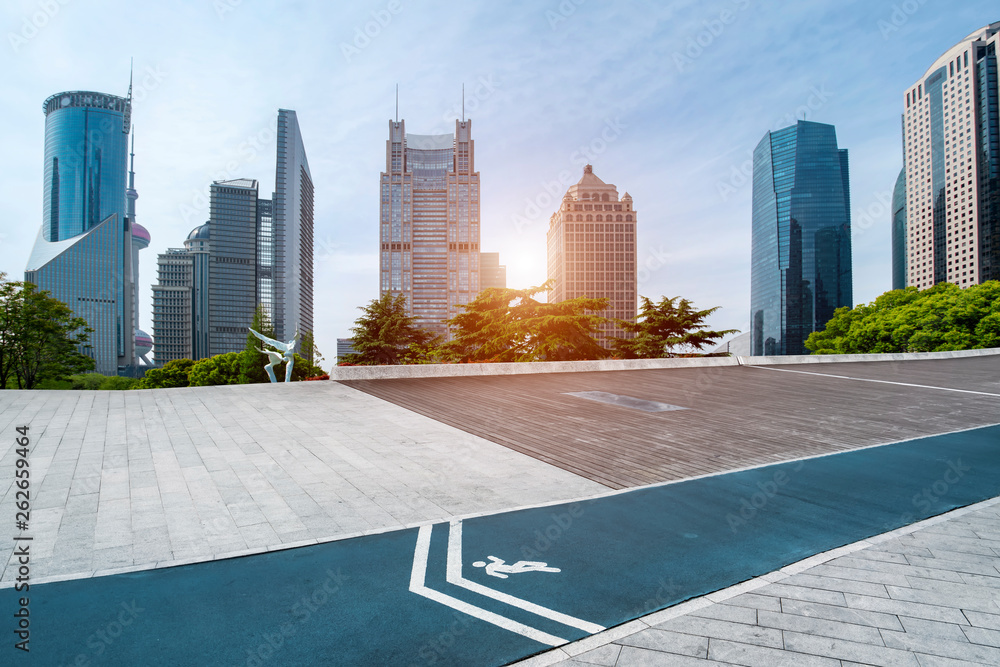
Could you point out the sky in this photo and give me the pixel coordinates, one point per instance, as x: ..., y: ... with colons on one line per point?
x: 665, y: 99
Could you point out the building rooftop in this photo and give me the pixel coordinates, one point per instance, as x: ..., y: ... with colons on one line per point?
x: 212, y: 487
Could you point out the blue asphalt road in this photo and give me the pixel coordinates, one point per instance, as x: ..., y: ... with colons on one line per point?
x: 620, y: 556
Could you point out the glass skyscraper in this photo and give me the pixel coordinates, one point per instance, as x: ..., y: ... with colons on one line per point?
x: 286, y: 279
x: 899, y: 232
x: 83, y: 253
x: 801, y: 254
x: 429, y: 222
x: 951, y: 142
x: 232, y: 265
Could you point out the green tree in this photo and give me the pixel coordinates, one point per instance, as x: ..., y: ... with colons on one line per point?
x: 384, y: 334
x: 511, y: 325
x: 943, y: 317
x: 309, y: 352
x: 220, y: 369
x: 9, y: 310
x: 661, y: 328
x: 42, y: 336
x: 252, y: 358
x: 173, y: 374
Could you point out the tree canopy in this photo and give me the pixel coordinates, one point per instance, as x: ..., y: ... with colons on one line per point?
x: 504, y: 324
x: 40, y: 338
x: 172, y: 374
x: 384, y: 334
x: 661, y: 328
x: 220, y: 369
x: 942, y: 317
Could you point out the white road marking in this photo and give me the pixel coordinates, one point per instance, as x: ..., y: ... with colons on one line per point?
x: 455, y: 577
x: 901, y: 384
x: 417, y: 577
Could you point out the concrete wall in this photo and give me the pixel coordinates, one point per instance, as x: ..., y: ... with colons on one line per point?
x: 458, y: 370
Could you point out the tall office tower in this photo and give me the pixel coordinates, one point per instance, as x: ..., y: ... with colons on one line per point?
x: 180, y: 300
x: 232, y: 265
x: 899, y: 232
x: 140, y: 241
x: 801, y: 256
x: 172, y: 312
x: 492, y: 273
x: 591, y: 249
x: 951, y: 139
x: 83, y: 253
x: 289, y: 285
x: 429, y: 231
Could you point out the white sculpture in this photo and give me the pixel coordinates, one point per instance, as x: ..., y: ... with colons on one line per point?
x: 283, y: 352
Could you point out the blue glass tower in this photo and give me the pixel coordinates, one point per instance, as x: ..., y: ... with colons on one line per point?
x: 899, y: 232
x: 83, y: 253
x: 801, y: 255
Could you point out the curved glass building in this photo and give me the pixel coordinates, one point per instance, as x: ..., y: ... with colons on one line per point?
x: 899, y: 232
x: 83, y: 253
x: 801, y: 258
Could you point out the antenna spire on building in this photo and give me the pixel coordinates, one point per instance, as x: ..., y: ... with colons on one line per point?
x: 397, y: 102
x: 463, y: 102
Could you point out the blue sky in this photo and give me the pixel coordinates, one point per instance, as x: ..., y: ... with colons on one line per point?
x: 665, y: 99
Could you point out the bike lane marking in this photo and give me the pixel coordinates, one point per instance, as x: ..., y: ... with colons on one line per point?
x: 455, y: 577
x: 417, y: 586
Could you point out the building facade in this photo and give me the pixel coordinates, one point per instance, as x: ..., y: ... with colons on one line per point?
x: 172, y: 307
x: 801, y: 241
x: 492, y: 273
x: 286, y: 278
x: 899, y: 232
x: 83, y: 253
x: 951, y: 142
x: 591, y: 250
x: 232, y: 264
x: 429, y: 223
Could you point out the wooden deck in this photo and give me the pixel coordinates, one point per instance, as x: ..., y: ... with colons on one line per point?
x: 735, y: 416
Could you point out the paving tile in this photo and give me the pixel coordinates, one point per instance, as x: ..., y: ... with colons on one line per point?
x: 945, y: 648
x: 979, y: 619
x: 738, y: 632
x: 606, y: 656
x: 668, y: 642
x: 925, y: 628
x: 873, y: 618
x: 926, y: 609
x: 761, y: 656
x: 983, y: 636
x: 840, y: 649
x: 821, y: 627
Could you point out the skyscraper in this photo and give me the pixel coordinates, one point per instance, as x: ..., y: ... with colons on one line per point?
x: 591, y: 249
x: 288, y: 248
x: 140, y: 241
x: 429, y: 222
x: 83, y: 253
x: 492, y: 272
x: 899, y: 231
x: 801, y: 245
x: 180, y: 300
x: 232, y: 265
x: 951, y: 141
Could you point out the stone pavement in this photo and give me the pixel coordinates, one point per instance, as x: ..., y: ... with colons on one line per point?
x: 927, y: 595
x: 150, y: 478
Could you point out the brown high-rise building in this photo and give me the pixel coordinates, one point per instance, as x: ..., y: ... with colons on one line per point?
x: 591, y: 249
x: 429, y: 236
x: 492, y: 272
